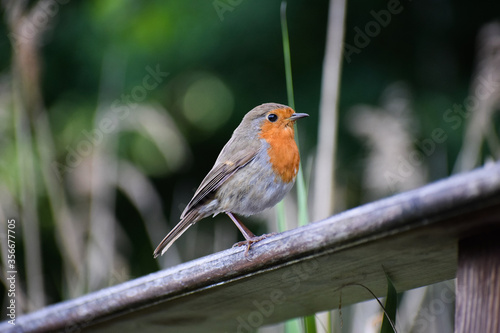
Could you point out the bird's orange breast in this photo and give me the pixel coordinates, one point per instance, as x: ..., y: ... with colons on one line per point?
x: 283, y: 152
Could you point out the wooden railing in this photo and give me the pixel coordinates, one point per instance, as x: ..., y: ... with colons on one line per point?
x: 446, y: 229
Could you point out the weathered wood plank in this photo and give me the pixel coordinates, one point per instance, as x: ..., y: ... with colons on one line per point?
x: 413, y: 236
x: 478, y: 284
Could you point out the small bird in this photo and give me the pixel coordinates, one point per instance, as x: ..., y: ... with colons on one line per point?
x: 254, y: 171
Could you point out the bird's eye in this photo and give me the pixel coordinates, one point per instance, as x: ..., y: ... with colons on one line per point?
x: 272, y: 117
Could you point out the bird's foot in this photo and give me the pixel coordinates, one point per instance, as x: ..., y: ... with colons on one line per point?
x: 250, y: 241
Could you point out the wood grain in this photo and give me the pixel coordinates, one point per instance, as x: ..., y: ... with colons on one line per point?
x: 478, y: 284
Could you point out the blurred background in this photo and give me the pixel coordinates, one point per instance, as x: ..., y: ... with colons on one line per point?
x: 112, y: 112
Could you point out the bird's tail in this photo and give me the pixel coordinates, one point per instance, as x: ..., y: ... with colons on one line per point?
x: 176, y: 232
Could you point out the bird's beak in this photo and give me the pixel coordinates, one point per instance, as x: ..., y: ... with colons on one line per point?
x: 296, y: 116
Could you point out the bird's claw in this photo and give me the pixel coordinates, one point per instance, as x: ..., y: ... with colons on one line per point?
x: 249, y: 242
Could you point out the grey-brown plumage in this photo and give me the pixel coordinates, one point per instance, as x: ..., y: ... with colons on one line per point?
x: 239, y: 182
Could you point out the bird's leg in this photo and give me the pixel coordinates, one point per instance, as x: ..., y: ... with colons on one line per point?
x: 244, y: 230
x: 250, y: 238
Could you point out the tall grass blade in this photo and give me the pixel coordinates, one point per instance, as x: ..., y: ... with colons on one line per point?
x: 286, y: 53
x: 324, y: 169
x: 301, y: 185
x: 280, y: 216
x: 310, y: 324
x: 378, y: 301
x: 391, y: 306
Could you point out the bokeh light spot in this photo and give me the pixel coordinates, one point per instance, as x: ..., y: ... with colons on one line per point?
x: 208, y: 102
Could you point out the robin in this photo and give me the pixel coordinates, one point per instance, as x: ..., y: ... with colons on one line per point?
x: 254, y: 171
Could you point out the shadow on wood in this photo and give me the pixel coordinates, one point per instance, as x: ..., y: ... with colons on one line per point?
x: 413, y: 236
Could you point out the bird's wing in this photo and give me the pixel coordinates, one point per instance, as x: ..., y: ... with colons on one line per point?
x: 234, y: 156
x: 223, y: 169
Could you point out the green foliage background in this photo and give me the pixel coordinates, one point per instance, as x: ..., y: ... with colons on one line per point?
x: 220, y: 66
